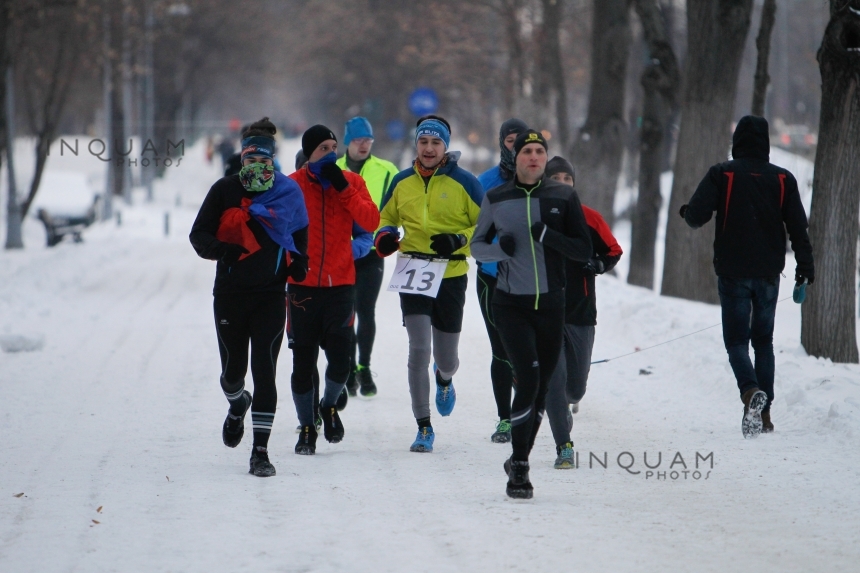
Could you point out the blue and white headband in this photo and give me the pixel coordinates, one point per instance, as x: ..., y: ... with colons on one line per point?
x: 434, y: 128
x: 258, y: 146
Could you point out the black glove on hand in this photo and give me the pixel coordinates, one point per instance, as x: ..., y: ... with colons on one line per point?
x: 595, y: 266
x: 538, y: 231
x: 231, y: 253
x: 298, y: 269
x: 335, y: 176
x: 683, y: 211
x: 508, y: 244
x: 446, y: 243
x: 807, y: 273
x: 386, y: 244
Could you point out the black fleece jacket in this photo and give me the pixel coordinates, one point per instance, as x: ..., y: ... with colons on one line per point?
x: 756, y: 202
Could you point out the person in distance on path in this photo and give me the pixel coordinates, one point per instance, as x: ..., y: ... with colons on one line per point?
x: 369, y: 269
x: 321, y: 308
x: 756, y: 202
x: 437, y: 203
x: 539, y: 224
x: 567, y: 385
x: 501, y: 371
x: 255, y: 225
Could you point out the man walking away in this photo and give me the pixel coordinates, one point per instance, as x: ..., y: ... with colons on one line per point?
x: 755, y: 202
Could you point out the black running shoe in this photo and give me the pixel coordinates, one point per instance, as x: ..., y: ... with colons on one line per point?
x: 519, y: 486
x: 341, y: 400
x: 754, y: 402
x: 260, y: 465
x: 234, y: 426
x: 332, y: 426
x: 367, y: 386
x: 352, y: 385
x: 307, y: 444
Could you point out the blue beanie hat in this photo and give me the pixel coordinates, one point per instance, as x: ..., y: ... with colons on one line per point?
x: 434, y: 128
x: 356, y: 128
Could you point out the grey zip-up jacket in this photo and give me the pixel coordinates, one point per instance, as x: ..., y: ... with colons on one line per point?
x: 536, y: 268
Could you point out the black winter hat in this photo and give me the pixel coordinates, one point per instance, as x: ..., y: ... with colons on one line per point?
x: 529, y: 136
x: 315, y: 135
x: 559, y: 164
x: 512, y: 125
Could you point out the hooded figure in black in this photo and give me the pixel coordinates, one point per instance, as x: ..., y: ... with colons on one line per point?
x: 755, y: 202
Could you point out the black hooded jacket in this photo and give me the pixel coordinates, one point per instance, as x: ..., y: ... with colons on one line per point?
x: 756, y: 202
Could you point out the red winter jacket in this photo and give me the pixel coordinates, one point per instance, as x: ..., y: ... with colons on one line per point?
x: 330, y: 219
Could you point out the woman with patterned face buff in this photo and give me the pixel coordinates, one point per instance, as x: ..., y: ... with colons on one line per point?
x: 436, y: 202
x: 341, y: 215
x: 255, y: 225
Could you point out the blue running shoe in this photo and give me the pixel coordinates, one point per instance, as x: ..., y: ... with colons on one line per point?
x: 446, y: 396
x: 423, y: 441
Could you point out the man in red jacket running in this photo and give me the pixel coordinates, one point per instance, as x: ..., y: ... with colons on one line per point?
x: 321, y: 309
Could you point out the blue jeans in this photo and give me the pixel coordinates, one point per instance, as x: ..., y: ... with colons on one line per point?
x: 749, y: 306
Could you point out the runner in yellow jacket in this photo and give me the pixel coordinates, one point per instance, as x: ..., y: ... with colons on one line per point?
x: 369, y: 269
x: 437, y: 203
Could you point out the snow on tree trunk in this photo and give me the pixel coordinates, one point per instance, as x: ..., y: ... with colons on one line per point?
x: 598, y: 150
x: 660, y: 84
x: 829, y: 313
x: 717, y: 31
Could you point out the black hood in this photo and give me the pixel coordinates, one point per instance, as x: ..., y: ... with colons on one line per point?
x: 751, y: 139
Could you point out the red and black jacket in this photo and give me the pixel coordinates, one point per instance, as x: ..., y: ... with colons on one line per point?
x: 580, y: 300
x: 330, y: 225
x: 755, y: 202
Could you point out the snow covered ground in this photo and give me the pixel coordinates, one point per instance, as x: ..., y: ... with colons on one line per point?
x: 112, y: 458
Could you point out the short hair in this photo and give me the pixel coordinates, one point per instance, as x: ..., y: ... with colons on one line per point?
x: 263, y: 127
x: 436, y: 117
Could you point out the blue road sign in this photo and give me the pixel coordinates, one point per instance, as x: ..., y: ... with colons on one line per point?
x: 423, y: 101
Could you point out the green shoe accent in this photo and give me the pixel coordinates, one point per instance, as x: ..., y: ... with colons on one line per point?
x: 502, y: 435
x: 565, y: 459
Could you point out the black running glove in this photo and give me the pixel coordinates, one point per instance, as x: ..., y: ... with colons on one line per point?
x: 446, y: 243
x: 335, y: 176
x: 595, y: 266
x: 386, y: 244
x: 508, y: 244
x: 231, y: 253
x: 539, y: 231
x: 298, y: 269
x: 804, y: 273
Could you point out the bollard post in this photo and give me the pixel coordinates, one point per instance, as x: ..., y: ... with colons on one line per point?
x: 119, y: 218
x: 166, y: 223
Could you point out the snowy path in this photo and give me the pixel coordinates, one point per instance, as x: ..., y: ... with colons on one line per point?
x: 121, y: 409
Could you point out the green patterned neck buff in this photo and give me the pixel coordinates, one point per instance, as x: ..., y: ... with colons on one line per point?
x: 257, y: 177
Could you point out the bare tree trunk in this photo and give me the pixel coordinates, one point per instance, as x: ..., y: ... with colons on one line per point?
x: 552, y: 15
x: 829, y: 314
x: 14, y: 216
x: 514, y: 85
x: 598, y: 151
x: 762, y: 44
x: 660, y: 82
x: 717, y: 31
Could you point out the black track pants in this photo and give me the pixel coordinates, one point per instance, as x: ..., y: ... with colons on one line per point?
x: 501, y: 372
x: 319, y: 318
x: 257, y: 318
x: 369, y: 271
x: 533, y: 340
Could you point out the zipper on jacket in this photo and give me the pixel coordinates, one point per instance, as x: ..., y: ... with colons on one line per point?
x: 322, y: 255
x: 532, y: 243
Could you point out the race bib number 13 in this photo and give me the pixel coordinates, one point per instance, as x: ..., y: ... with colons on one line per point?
x: 417, y: 276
